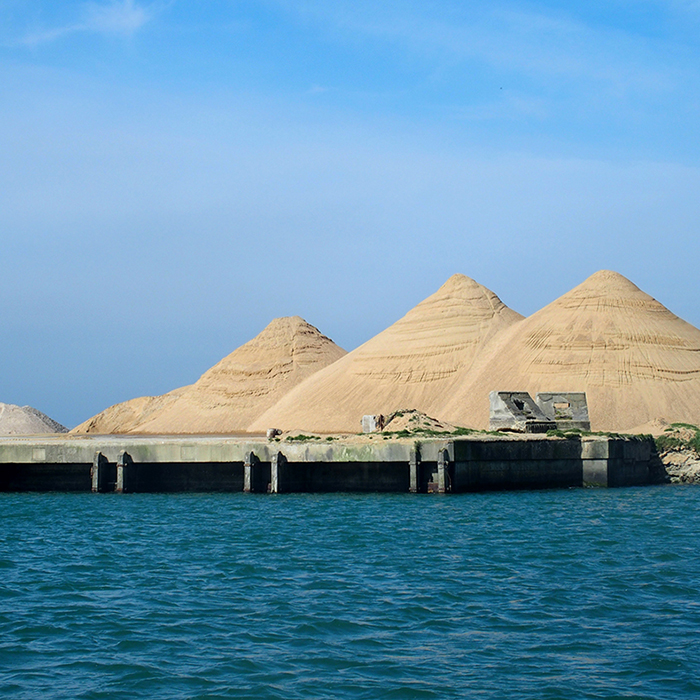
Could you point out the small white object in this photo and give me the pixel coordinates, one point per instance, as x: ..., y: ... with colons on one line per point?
x: 369, y: 424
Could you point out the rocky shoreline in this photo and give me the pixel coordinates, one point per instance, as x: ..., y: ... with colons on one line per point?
x: 678, y: 447
x: 682, y: 466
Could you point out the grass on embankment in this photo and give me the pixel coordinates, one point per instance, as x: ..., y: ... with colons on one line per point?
x: 679, y: 436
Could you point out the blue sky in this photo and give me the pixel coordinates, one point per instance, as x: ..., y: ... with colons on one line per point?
x: 176, y: 174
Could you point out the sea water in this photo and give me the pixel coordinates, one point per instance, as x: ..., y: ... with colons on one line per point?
x: 546, y: 594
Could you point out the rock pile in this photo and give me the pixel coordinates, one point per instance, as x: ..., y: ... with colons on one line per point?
x: 679, y: 450
x: 410, y: 420
x: 25, y: 420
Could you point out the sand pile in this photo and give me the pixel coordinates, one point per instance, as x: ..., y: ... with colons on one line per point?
x: 234, y: 392
x: 656, y: 426
x: 410, y: 420
x: 414, y: 363
x: 638, y: 363
x: 25, y: 420
x: 125, y: 417
x: 635, y: 359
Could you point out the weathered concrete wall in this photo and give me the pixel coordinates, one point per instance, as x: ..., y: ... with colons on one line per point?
x: 516, y: 410
x: 513, y: 464
x: 173, y: 449
x: 325, y: 477
x: 157, y: 477
x: 45, y: 477
x: 230, y: 464
x: 616, y: 462
x: 553, y: 463
x: 569, y: 410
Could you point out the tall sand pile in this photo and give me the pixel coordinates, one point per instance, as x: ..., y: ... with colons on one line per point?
x: 25, y: 420
x: 229, y: 396
x: 635, y: 360
x: 413, y: 363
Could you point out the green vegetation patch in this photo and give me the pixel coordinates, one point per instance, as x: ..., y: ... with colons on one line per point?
x: 572, y: 434
x: 675, y: 440
x: 301, y: 438
x: 687, y: 426
x: 427, y: 432
x: 575, y: 433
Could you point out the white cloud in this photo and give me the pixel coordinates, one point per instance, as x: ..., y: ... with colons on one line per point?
x: 124, y: 17
x: 117, y: 17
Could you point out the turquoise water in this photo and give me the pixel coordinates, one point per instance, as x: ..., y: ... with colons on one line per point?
x: 550, y: 594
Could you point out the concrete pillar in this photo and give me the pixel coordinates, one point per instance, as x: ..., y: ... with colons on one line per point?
x: 278, y: 473
x: 250, y: 468
x: 443, y: 465
x: 98, y: 473
x: 414, y: 469
x: 124, y: 467
x: 595, y: 460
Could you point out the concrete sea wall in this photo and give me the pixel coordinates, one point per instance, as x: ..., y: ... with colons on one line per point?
x: 257, y: 465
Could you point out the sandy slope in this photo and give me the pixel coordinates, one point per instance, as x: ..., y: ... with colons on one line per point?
x: 125, y: 417
x: 413, y: 363
x: 234, y: 392
x: 25, y: 420
x: 638, y: 363
x: 636, y: 360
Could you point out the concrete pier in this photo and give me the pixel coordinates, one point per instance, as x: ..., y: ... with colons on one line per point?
x: 279, y: 474
x: 251, y: 473
x: 130, y: 464
x: 100, y: 474
x: 126, y: 473
x: 414, y: 467
x: 443, y: 474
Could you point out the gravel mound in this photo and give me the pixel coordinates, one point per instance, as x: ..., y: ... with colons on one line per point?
x: 25, y: 420
x: 410, y: 420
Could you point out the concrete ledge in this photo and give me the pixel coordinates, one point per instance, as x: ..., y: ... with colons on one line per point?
x: 435, y: 465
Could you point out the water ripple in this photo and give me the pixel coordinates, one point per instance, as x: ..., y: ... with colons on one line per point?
x: 561, y: 594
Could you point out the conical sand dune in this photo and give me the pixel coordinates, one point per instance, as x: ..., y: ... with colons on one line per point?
x: 635, y: 359
x: 410, y: 364
x: 234, y: 392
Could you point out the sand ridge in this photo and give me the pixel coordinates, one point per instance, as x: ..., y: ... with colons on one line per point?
x: 637, y: 362
x: 413, y: 363
x: 635, y: 359
x: 231, y: 394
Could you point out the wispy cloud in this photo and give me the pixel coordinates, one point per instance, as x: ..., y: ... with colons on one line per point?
x: 124, y: 17
x: 533, y: 42
x: 117, y: 17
